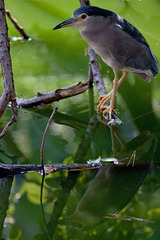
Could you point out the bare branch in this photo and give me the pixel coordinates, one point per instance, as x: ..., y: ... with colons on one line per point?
x: 7, y: 170
x: 13, y: 169
x: 61, y: 93
x: 98, y: 79
x: 16, y: 24
x: 6, y: 65
x: 7, y: 126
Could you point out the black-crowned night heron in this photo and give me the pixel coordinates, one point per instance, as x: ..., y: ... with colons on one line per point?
x: 120, y: 45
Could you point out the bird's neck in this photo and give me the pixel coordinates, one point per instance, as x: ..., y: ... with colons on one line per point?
x: 89, y: 37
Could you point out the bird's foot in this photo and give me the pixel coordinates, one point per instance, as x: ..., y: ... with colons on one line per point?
x: 101, y: 106
x: 108, y: 109
x: 103, y: 99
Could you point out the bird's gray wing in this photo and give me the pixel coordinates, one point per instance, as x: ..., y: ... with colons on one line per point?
x: 132, y: 31
x: 130, y: 49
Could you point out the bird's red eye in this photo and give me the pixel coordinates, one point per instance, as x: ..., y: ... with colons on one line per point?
x: 83, y: 16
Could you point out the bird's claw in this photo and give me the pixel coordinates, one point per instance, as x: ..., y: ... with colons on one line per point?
x: 109, y: 110
x: 101, y: 106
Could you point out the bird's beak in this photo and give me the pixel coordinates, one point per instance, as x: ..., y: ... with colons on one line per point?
x: 67, y: 23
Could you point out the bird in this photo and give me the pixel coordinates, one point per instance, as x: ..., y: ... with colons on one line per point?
x: 120, y: 45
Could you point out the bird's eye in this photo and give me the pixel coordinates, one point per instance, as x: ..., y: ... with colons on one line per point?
x: 83, y: 16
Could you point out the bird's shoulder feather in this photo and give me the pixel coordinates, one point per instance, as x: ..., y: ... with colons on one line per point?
x: 129, y: 29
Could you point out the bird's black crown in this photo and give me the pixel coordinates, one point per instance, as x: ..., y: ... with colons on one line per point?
x: 94, y: 11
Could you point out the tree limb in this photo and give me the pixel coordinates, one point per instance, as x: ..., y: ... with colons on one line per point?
x: 13, y: 169
x: 6, y: 66
x: 61, y: 93
x: 98, y: 79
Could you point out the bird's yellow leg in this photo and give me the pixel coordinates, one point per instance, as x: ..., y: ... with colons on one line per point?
x: 125, y: 74
x: 107, y: 97
x: 111, y: 96
x: 111, y: 106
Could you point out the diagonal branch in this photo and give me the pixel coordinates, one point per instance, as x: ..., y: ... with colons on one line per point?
x: 61, y: 93
x: 17, y: 25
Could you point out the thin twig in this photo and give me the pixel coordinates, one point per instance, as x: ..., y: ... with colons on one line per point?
x: 134, y: 219
x: 13, y: 119
x: 16, y: 24
x: 44, y: 135
x: 41, y: 203
x: 7, y: 126
x: 43, y: 170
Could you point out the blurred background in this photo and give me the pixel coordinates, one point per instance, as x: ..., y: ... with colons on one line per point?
x: 56, y: 59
